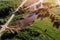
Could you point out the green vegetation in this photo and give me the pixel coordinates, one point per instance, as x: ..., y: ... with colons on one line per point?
x: 6, y: 9
x: 39, y: 30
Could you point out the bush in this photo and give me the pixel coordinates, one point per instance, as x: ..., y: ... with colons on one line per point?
x: 25, y: 34
x: 6, y: 9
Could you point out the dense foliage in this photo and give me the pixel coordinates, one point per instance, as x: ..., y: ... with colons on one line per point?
x: 44, y: 29
x: 6, y: 9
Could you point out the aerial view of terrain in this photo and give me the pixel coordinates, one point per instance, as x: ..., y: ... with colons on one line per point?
x: 29, y: 19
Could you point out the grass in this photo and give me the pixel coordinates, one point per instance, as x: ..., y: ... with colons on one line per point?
x: 42, y: 25
x: 39, y: 26
x: 5, y: 4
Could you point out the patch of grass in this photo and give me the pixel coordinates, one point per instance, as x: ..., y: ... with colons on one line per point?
x: 6, y: 5
x: 46, y: 24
